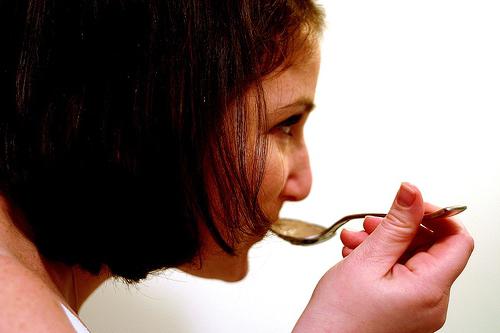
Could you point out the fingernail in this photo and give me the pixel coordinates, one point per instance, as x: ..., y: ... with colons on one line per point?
x: 406, y: 195
x: 375, y: 218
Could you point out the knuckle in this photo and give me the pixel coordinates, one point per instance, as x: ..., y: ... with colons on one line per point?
x: 434, y: 299
x: 396, y: 227
x: 470, y: 241
x: 438, y: 322
x: 434, y: 303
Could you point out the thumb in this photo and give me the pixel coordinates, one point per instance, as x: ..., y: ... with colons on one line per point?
x: 383, y: 248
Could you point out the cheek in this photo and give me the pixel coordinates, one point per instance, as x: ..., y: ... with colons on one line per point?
x: 273, y: 182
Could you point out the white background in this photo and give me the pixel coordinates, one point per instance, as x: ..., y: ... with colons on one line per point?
x: 408, y: 91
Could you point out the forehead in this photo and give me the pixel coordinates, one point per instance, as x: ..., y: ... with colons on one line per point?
x: 295, y: 82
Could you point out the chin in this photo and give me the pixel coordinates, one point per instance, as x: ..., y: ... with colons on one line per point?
x: 214, y: 263
x: 221, y: 267
x: 234, y: 276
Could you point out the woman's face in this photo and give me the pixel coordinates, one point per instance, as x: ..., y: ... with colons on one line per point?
x: 287, y: 177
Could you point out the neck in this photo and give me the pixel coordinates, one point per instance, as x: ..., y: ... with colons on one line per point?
x: 71, y: 284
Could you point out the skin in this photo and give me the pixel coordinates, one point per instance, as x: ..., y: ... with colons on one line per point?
x: 33, y: 288
x: 393, y: 279
x: 289, y: 98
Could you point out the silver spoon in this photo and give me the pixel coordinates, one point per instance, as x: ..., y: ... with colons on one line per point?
x: 300, y: 232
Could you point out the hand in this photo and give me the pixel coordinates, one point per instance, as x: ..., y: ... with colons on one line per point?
x: 391, y: 280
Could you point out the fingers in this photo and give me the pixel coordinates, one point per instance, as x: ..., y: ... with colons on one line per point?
x: 450, y: 252
x: 438, y: 250
x: 387, y: 243
x: 445, y: 227
x: 346, y: 251
x: 422, y: 241
x: 371, y: 223
x: 352, y: 239
x: 446, y: 258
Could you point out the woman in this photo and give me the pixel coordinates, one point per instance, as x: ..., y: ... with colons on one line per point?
x: 138, y: 136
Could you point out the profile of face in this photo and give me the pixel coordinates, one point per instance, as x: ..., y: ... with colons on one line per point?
x: 289, y: 96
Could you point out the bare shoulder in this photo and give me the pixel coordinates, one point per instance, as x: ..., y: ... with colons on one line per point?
x: 26, y: 303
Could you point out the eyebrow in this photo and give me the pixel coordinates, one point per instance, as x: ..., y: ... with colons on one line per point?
x: 305, y: 103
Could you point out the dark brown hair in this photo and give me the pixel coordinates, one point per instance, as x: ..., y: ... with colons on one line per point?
x: 112, y: 113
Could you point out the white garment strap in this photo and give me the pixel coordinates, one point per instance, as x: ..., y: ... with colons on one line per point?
x: 75, y: 321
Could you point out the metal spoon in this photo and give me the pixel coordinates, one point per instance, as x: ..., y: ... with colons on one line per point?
x: 300, y: 232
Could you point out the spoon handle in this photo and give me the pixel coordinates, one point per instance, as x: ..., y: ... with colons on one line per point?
x: 444, y: 212
x: 440, y: 213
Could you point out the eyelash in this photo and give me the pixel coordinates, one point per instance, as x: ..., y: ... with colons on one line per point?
x: 285, y: 126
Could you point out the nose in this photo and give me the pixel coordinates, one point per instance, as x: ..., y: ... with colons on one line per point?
x: 299, y: 177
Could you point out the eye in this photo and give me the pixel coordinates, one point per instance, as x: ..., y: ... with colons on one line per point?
x: 286, y: 125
